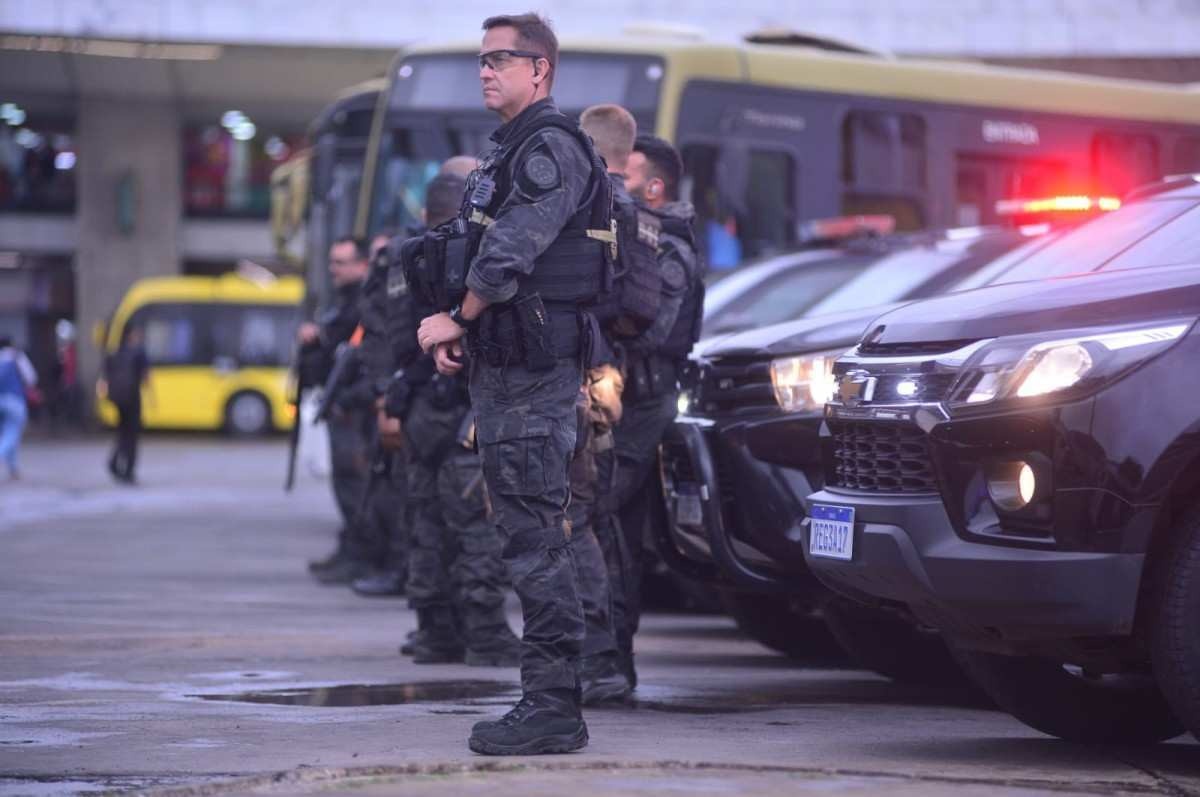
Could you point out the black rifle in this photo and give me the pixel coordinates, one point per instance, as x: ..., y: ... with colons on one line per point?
x: 299, y: 378
x: 345, y: 369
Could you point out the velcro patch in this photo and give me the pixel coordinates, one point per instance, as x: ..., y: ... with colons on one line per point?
x: 542, y: 171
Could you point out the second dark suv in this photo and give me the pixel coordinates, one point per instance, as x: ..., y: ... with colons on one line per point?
x: 1019, y: 467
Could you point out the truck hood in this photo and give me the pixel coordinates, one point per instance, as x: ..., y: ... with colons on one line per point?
x: 1085, y: 300
x: 819, y: 333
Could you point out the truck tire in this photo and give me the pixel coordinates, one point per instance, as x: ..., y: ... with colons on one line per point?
x: 1175, y: 634
x: 247, y: 414
x: 1061, y: 702
x: 888, y: 644
x: 773, y: 622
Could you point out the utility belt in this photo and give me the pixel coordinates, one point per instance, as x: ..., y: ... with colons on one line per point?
x: 650, y: 376
x: 529, y: 331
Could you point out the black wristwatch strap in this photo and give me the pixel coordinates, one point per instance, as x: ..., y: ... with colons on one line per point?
x: 457, y: 317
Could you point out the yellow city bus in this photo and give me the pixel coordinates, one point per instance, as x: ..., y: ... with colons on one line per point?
x: 219, y: 349
x: 784, y: 128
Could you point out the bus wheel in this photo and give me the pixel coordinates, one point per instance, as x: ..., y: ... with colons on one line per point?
x: 247, y: 415
x: 1175, y: 642
x: 1072, y: 704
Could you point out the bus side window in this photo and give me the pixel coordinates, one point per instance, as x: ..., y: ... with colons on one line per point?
x: 884, y: 166
x: 172, y: 335
x: 255, y: 335
x: 1123, y: 161
x: 752, y: 214
x: 982, y: 180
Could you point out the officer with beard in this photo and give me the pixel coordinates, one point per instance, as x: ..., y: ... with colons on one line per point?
x: 543, y: 204
x: 654, y: 361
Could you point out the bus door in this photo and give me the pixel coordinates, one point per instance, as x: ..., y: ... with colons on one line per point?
x: 179, y: 347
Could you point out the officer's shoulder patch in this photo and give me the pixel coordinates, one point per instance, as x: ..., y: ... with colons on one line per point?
x: 674, y: 274
x: 541, y: 171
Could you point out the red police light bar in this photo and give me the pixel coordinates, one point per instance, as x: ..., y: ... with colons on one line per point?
x: 1057, y: 204
x: 847, y: 227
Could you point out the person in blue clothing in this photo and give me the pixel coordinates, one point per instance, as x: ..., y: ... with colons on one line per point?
x: 16, y: 377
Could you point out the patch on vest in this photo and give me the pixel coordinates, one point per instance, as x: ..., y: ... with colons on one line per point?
x: 396, y: 283
x: 674, y: 275
x: 648, y: 230
x: 542, y: 171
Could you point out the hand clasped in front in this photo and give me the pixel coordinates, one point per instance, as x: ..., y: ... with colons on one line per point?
x: 439, y: 334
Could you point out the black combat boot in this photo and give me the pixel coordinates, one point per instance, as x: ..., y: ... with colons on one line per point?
x: 542, y: 722
x: 603, y: 678
x: 406, y: 647
x: 380, y: 584
x: 496, y: 646
x: 437, y: 640
x: 345, y: 571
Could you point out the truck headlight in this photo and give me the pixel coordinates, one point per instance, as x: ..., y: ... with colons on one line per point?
x: 1025, y: 367
x: 803, y: 383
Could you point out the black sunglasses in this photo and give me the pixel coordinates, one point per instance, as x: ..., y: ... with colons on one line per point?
x: 497, y: 60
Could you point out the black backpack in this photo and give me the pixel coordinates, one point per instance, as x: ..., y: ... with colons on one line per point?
x: 636, y: 295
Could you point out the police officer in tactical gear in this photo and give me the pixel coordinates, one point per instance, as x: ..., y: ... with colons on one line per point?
x: 349, y: 425
x: 456, y: 576
x: 653, y: 361
x: 542, y: 204
x: 620, y: 313
x: 384, y: 506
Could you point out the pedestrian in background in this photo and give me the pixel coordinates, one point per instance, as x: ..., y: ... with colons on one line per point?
x: 125, y: 372
x: 16, y: 378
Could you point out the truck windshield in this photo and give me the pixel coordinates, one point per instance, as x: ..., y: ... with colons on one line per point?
x: 1088, y: 247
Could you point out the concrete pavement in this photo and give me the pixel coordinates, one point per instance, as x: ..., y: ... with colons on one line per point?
x: 125, y: 612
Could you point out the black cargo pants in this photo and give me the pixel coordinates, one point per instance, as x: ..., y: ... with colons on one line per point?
x: 526, y: 426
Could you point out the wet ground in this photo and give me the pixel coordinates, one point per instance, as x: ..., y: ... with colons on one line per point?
x: 166, y: 639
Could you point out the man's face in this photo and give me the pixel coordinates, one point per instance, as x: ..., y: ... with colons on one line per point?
x: 509, y: 83
x: 641, y: 184
x: 345, y: 265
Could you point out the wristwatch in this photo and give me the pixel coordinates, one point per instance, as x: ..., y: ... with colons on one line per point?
x: 457, y: 317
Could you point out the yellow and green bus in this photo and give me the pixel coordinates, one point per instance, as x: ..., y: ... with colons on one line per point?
x: 784, y: 128
x: 314, y: 196
x: 218, y: 347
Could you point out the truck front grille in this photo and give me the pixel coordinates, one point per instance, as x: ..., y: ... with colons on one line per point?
x: 881, y: 457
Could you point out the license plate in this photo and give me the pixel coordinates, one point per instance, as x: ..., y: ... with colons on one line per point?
x: 688, y: 510
x: 831, y: 531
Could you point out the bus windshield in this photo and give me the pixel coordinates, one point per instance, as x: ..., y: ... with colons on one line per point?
x: 450, y: 82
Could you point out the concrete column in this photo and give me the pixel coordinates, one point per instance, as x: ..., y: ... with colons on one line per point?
x: 134, y: 149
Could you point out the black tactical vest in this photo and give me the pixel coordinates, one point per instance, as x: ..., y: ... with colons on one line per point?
x: 578, y: 266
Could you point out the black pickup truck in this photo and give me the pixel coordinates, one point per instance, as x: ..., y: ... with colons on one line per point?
x: 743, y: 454
x: 1019, y: 468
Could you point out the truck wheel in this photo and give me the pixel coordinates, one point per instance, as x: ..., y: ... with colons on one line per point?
x: 247, y: 415
x: 1063, y: 702
x: 1175, y: 636
x: 886, y: 643
x: 772, y: 622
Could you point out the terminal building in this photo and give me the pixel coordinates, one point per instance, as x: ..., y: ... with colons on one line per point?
x: 138, y: 139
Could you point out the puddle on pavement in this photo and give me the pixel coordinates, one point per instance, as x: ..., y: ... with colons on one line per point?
x: 477, y: 694
x: 352, y: 695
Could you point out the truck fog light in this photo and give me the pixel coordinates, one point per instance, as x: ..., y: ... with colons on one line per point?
x: 1012, y: 485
